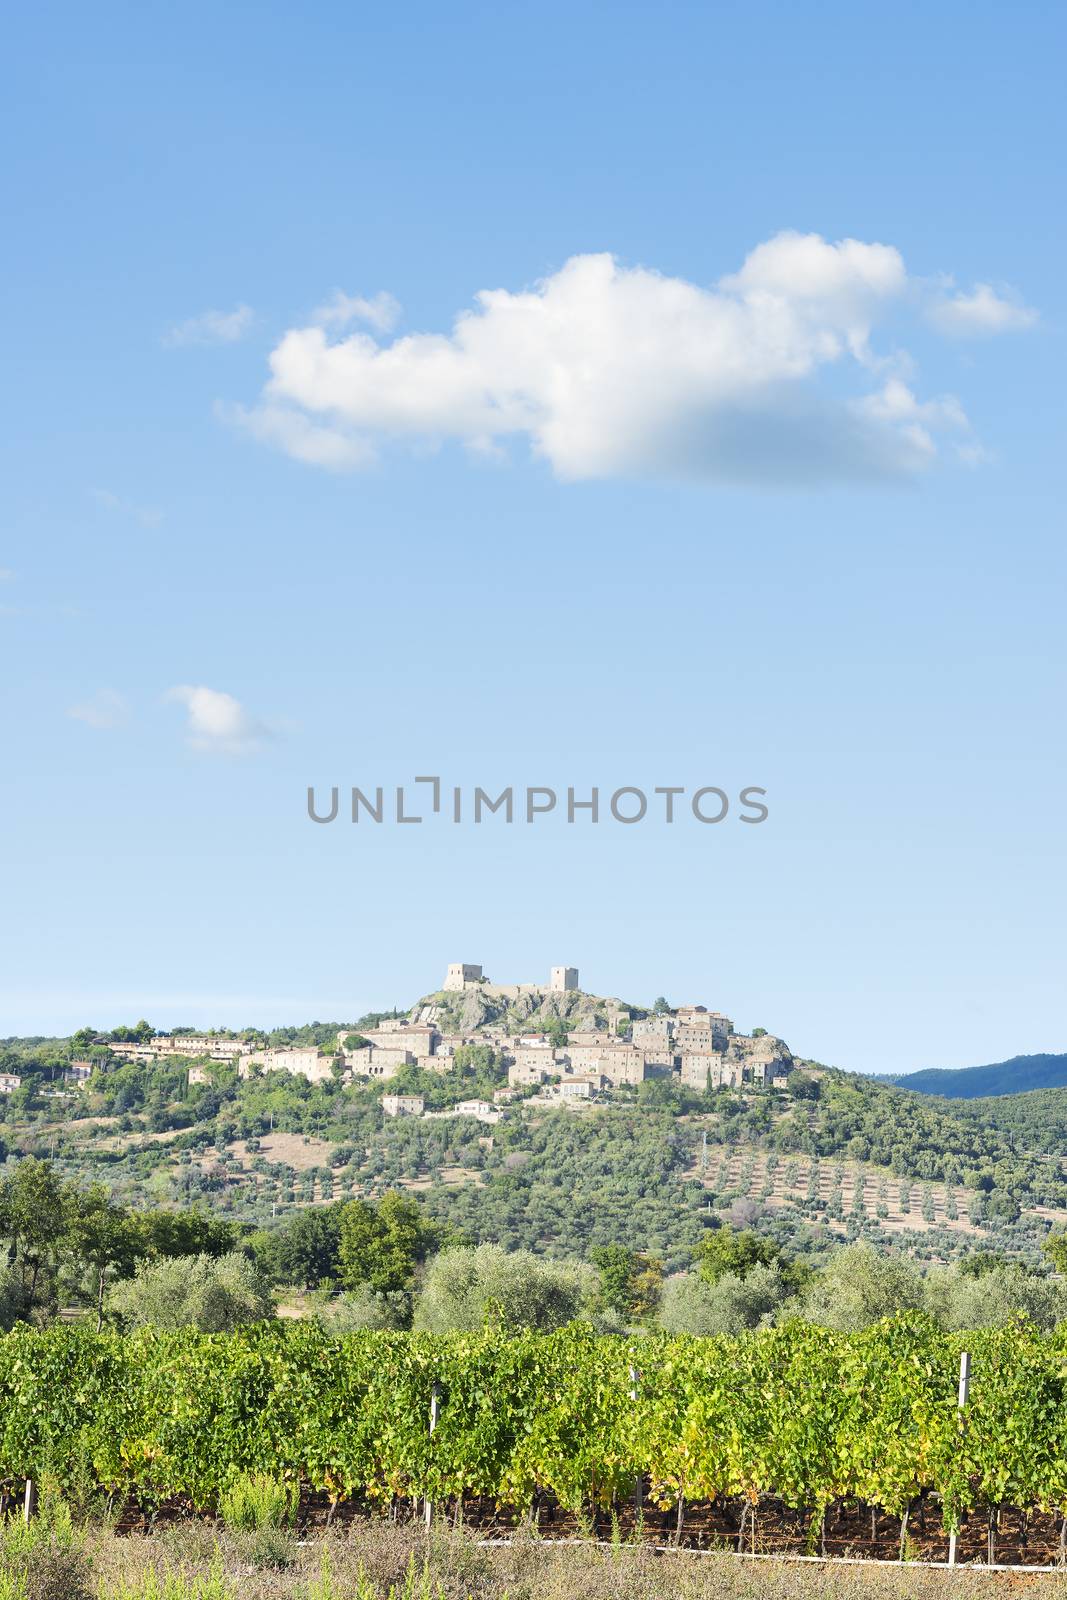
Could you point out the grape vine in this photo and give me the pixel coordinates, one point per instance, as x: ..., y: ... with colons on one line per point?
x: 804, y: 1415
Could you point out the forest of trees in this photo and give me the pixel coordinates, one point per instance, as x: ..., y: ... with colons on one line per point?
x: 390, y: 1264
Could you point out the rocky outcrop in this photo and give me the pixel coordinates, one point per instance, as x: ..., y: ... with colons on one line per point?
x: 526, y: 1010
x: 766, y: 1050
x: 521, y: 1009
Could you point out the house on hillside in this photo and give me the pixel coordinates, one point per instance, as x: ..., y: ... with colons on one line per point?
x: 403, y: 1105
x: 307, y: 1063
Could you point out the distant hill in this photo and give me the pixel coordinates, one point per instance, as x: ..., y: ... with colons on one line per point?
x: 1016, y: 1076
x: 826, y: 1156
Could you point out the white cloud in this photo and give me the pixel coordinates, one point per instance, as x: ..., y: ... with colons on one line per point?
x: 381, y: 311
x: 6, y: 575
x: 980, y: 313
x: 104, y: 710
x: 211, y: 327
x: 299, y: 437
x: 216, y: 721
x: 610, y: 371
x: 147, y: 516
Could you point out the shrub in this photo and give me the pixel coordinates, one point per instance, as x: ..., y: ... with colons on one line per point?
x: 256, y: 1501
x: 171, y: 1585
x: 215, y: 1295
x: 469, y: 1288
x: 266, y: 1547
x: 729, y: 1305
x: 43, y: 1559
x: 349, y: 1313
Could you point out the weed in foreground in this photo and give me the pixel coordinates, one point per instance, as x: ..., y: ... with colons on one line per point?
x: 44, y: 1559
x: 255, y: 1501
x: 174, y: 1585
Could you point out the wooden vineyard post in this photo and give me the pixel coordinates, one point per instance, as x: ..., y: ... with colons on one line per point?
x: 639, y: 1484
x: 435, y: 1398
x: 29, y: 1504
x: 961, y: 1404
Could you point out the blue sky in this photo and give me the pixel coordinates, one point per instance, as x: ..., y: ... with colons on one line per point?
x: 680, y: 520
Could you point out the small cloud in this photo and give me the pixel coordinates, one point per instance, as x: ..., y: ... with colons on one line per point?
x: 895, y: 402
x: 914, y: 421
x: 106, y: 709
x: 6, y: 575
x: 217, y: 721
x: 211, y: 327
x: 982, y: 312
x: 300, y: 437
x: 381, y: 311
x: 147, y: 516
x: 974, y: 455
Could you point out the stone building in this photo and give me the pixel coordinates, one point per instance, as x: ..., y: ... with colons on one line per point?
x: 419, y: 1039
x: 705, y: 1034
x: 460, y: 974
x: 448, y: 1043
x: 619, y: 1063
x: 463, y: 975
x: 434, y: 1063
x: 9, y: 1082
x: 695, y: 1071
x: 756, y: 1062
x: 307, y: 1064
x: 538, y: 1055
x: 372, y: 1062
x: 403, y: 1105
x: 584, y: 1086
x: 659, y: 1029
x: 179, y: 1044
x: 523, y: 1074
x: 480, y: 1110
x: 693, y: 1029
x: 710, y: 1070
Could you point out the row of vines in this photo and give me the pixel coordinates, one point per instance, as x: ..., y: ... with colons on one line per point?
x: 805, y: 1415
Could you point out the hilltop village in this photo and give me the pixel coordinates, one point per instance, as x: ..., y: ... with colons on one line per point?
x: 559, y: 1046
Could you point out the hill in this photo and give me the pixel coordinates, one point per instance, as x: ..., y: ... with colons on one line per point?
x: 1035, y: 1120
x: 1017, y: 1076
x: 822, y: 1157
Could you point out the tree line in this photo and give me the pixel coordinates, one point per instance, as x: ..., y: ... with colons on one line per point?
x: 390, y: 1263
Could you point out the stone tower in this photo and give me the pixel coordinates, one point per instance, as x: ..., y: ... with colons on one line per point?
x: 460, y: 973
x: 562, y: 978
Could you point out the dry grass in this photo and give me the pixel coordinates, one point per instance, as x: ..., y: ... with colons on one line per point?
x: 297, y: 1150
x: 375, y: 1558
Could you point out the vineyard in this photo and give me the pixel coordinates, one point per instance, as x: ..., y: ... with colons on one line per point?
x: 786, y: 1438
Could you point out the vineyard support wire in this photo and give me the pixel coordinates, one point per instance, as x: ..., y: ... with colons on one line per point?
x: 822, y: 1561
x: 676, y: 1547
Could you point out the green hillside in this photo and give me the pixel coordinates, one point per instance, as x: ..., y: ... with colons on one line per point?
x: 822, y: 1158
x: 1017, y: 1076
x: 1035, y: 1121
